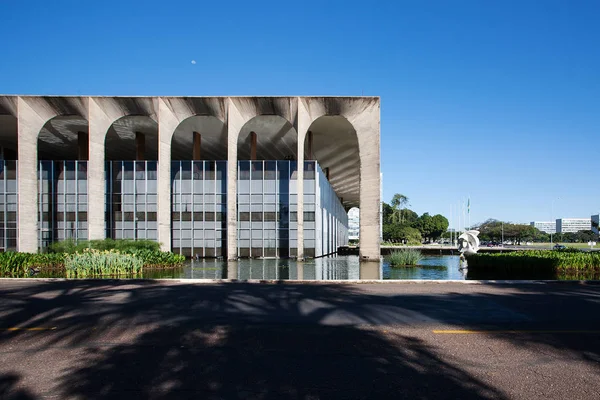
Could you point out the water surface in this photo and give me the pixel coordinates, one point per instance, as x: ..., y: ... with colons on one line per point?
x: 328, y: 268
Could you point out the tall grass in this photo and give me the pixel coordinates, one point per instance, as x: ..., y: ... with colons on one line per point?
x: 21, y: 264
x: 533, y: 264
x: 404, y: 257
x: 102, y: 263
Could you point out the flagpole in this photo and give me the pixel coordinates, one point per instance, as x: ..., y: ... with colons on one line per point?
x: 464, y: 217
x: 469, y: 211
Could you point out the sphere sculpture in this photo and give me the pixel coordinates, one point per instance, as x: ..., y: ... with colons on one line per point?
x: 468, y: 242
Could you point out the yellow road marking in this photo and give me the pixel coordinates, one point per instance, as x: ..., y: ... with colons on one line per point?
x: 470, y: 331
x: 27, y: 329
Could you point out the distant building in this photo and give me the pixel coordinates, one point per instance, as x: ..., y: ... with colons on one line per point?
x: 353, y: 224
x: 596, y: 223
x: 566, y: 225
x: 544, y: 226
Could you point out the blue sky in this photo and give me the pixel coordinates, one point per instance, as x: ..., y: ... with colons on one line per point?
x: 496, y: 100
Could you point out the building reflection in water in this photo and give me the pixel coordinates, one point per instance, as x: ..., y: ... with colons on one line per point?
x: 328, y: 268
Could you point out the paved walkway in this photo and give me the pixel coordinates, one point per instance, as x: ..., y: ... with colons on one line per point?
x: 113, y: 339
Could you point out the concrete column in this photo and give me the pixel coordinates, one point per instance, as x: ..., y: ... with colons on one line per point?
x: 304, y: 122
x: 367, y: 129
x: 235, y: 121
x: 167, y: 123
x: 196, y: 155
x: 82, y: 146
x: 253, y: 146
x: 32, y: 116
x: 102, y: 114
x: 140, y: 146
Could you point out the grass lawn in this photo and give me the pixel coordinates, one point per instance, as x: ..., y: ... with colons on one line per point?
x: 572, y: 245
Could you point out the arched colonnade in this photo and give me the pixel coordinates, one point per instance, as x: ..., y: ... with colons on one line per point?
x: 342, y: 134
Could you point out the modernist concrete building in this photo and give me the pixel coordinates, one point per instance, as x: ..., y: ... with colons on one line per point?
x: 596, y: 223
x: 566, y: 225
x: 545, y: 226
x: 207, y: 176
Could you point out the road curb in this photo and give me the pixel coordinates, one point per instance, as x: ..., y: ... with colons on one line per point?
x: 306, y: 282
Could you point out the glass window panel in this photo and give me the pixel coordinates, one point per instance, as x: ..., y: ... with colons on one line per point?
x: 256, y: 216
x: 244, y: 170
x: 209, y: 170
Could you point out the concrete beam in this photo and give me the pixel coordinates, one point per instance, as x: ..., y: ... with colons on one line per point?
x: 140, y: 146
x: 83, y: 146
x: 197, y: 147
x: 252, y: 146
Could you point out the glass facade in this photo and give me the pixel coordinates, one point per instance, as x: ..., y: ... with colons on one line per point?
x: 199, y: 208
x: 8, y: 205
x: 62, y: 202
x: 131, y: 201
x: 267, y: 207
x: 331, y: 226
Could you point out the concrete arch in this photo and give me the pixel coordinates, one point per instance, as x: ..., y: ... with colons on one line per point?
x: 64, y: 137
x: 126, y: 134
x: 103, y: 112
x: 333, y: 142
x: 363, y: 114
x: 212, y: 138
x: 174, y: 114
x: 273, y: 138
x: 33, y: 115
x: 240, y: 110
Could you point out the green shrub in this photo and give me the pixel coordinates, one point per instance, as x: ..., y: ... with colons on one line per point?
x: 70, y: 246
x: 533, y: 264
x: 404, y: 257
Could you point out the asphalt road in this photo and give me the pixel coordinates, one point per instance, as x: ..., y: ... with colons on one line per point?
x: 157, y: 340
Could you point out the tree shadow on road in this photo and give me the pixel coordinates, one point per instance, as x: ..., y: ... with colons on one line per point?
x: 224, y: 341
x: 235, y: 340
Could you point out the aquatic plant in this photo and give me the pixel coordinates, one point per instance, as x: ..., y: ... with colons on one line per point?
x: 102, y: 263
x: 404, y: 257
x: 87, y: 262
x: 13, y: 264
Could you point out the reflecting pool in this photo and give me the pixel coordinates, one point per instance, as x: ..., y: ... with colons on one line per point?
x: 328, y: 268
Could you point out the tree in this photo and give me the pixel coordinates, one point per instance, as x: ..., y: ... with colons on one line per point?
x: 388, y: 213
x: 401, y: 233
x: 439, y: 225
x: 399, y: 201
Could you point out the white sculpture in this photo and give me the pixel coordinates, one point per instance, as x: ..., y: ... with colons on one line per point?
x: 468, y: 242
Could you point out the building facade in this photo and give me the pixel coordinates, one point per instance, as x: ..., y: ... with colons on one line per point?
x: 544, y: 226
x: 204, y: 176
x: 566, y: 225
x: 354, y: 224
x: 596, y: 223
